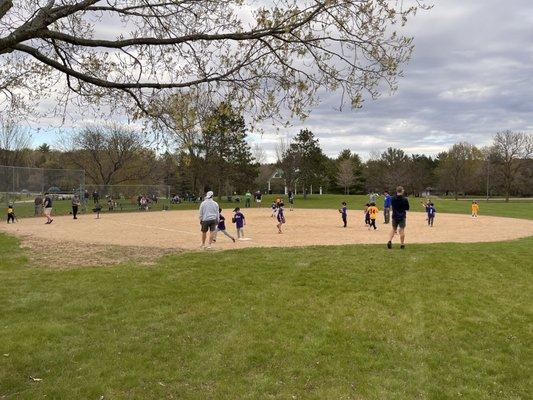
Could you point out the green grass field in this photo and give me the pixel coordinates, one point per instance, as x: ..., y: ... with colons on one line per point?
x: 349, y: 322
x: 496, y: 207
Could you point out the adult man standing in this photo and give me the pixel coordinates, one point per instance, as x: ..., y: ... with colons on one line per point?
x: 209, y: 216
x: 47, y: 206
x: 38, y: 203
x: 400, y: 206
x: 75, y: 205
x: 248, y: 199
x: 386, y: 207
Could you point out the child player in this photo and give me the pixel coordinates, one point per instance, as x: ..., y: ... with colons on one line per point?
x: 10, y: 213
x: 475, y: 209
x: 221, y: 227
x: 367, y: 215
x: 431, y: 211
x: 280, y: 217
x: 274, y: 207
x: 344, y: 214
x: 373, y: 214
x: 239, y: 221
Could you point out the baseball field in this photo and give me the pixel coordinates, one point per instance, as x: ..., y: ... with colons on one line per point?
x: 120, y: 307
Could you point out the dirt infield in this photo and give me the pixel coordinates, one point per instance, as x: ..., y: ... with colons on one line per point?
x: 304, y: 227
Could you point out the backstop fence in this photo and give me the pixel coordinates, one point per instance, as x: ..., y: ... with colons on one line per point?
x: 21, y: 186
x: 23, y: 183
x: 124, y: 192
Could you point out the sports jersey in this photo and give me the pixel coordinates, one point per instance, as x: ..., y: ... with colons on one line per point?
x: 281, y: 216
x: 221, y: 223
x: 239, y: 219
x: 373, y: 211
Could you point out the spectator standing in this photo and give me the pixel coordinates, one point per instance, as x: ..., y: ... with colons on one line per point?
x: 47, y: 206
x: 75, y: 206
x: 38, y: 205
x: 386, y: 207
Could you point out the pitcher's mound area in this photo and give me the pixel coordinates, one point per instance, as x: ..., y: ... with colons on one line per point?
x: 304, y: 227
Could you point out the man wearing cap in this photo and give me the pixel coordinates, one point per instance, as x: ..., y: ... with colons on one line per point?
x: 209, y: 216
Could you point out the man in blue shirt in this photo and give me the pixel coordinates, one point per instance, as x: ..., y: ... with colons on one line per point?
x: 386, y: 207
x: 400, y: 206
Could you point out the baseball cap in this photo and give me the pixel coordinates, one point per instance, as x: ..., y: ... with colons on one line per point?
x: 209, y: 195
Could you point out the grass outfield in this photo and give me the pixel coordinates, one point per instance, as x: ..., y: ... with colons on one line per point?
x: 349, y: 322
x: 495, y: 207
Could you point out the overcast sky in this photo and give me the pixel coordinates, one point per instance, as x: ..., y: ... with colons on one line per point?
x: 471, y: 75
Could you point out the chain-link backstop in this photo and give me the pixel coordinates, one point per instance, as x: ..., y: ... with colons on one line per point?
x: 23, y: 183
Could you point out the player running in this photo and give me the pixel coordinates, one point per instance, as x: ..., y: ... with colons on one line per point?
x: 221, y: 227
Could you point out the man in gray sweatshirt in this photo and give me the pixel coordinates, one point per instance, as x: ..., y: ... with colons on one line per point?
x: 209, y: 216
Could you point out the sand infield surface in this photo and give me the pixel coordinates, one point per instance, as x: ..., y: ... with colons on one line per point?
x: 180, y: 230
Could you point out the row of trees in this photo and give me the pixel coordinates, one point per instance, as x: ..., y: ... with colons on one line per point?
x: 216, y: 155
x: 213, y: 152
x: 505, y: 167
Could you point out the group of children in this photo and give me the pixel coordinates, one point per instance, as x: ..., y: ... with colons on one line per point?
x: 370, y: 212
x: 240, y: 221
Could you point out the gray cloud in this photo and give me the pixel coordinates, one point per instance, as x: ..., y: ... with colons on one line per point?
x: 471, y: 75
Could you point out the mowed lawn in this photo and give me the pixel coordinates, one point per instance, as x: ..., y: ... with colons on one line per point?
x: 496, y: 207
x: 350, y: 322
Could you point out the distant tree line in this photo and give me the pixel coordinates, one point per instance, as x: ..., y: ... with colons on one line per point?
x: 211, y: 151
x: 503, y: 168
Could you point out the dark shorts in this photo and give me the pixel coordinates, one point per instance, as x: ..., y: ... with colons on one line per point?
x: 209, y: 225
x: 398, y: 223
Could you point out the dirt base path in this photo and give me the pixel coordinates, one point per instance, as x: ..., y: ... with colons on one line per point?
x: 180, y: 230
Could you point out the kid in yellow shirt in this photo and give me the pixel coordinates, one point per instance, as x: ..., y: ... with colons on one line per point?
x: 475, y: 209
x: 10, y: 213
x: 373, y: 211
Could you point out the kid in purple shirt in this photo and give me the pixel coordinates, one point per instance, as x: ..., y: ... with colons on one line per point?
x: 344, y: 214
x: 238, y: 219
x: 280, y: 217
x: 221, y: 227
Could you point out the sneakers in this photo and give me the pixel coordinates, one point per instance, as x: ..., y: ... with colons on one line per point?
x: 389, y: 245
